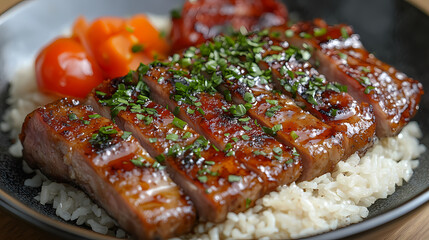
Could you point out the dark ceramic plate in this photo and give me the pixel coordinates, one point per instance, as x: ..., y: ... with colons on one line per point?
x: 394, y: 30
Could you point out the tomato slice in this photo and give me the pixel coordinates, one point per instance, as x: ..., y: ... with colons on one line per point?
x: 65, y: 68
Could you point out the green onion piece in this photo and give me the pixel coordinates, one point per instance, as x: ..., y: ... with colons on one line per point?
x: 234, y: 178
x: 278, y: 150
x: 368, y: 89
x: 187, y: 135
x: 248, y: 97
x: 289, y: 33
x: 179, y: 123
x: 126, y: 135
x: 248, y: 202
x: 294, y: 135
x: 344, y: 33
x: 93, y: 116
x: 160, y: 158
x: 72, y: 117
x: 172, y: 137
x: 319, y: 32
x: 137, y: 48
x: 202, y: 179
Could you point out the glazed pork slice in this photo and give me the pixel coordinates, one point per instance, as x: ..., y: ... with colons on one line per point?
x: 226, y: 125
x: 72, y: 143
x: 342, y: 58
x: 340, y: 126
x: 328, y: 101
x: 216, y: 183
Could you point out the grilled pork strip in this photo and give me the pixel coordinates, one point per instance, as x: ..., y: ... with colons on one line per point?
x: 342, y: 58
x: 70, y: 142
x: 216, y: 183
x: 232, y: 62
x: 329, y: 102
x: 225, y: 125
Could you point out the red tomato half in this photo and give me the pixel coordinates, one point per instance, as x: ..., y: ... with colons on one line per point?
x: 64, y: 67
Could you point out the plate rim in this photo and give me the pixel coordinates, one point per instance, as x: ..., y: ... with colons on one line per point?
x: 70, y: 230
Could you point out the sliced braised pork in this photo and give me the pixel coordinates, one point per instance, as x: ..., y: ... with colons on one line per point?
x: 216, y: 183
x: 70, y: 142
x: 226, y: 125
x: 342, y: 58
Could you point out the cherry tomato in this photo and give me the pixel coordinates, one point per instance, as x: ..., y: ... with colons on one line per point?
x: 64, y: 67
x: 119, y: 44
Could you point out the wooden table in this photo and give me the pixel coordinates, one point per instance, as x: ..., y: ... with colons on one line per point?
x: 413, y: 225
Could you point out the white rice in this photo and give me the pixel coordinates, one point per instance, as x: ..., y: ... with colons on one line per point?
x: 328, y: 202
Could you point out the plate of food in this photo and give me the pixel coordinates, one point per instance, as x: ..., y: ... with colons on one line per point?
x: 211, y: 119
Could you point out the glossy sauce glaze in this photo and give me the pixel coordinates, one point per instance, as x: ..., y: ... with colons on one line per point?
x: 110, y: 165
x: 216, y: 183
x: 342, y: 58
x: 327, y: 100
x: 207, y: 114
x: 319, y: 145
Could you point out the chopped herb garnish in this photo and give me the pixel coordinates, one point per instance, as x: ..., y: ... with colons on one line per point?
x: 228, y: 146
x: 272, y: 111
x: 202, y: 179
x: 211, y: 163
x: 234, y: 178
x: 153, y: 140
x: 238, y: 110
x: 137, y: 48
x: 200, y: 110
x: 333, y: 112
x: 126, y: 135
x: 305, y: 35
x: 94, y: 116
x: 248, y: 202
x: 273, y: 130
x: 276, y: 48
x: 72, y: 117
x: 190, y: 111
x: 187, y: 135
x: 248, y: 97
x: 344, y: 33
x: 107, y: 130
x: 160, y: 158
x: 319, y: 32
x: 245, y: 137
x: 139, y: 162
x: 244, y: 119
x: 215, y: 148
x: 172, y: 137
x: 294, y: 135
x: 247, y: 128
x: 289, y: 33
x: 278, y: 150
x: 365, y: 80
x: 257, y: 152
x: 179, y: 123
x: 342, y: 55
x: 100, y: 93
x: 368, y: 89
x: 365, y: 69
x: 272, y: 102
x: 230, y: 153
